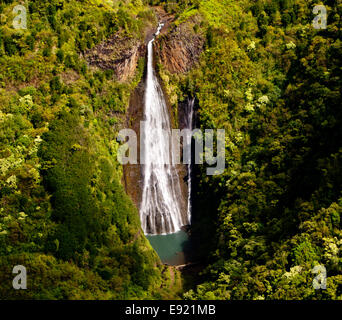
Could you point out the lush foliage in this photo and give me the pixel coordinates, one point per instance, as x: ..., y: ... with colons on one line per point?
x: 64, y: 214
x: 273, y: 82
x: 265, y: 75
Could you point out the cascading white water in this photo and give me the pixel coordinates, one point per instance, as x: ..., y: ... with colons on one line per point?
x: 160, y: 209
x: 189, y: 124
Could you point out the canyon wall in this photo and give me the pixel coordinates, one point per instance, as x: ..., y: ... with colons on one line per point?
x: 120, y: 54
x: 178, y: 49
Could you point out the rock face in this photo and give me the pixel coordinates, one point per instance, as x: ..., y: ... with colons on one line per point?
x: 179, y: 49
x: 120, y: 54
x: 132, y: 174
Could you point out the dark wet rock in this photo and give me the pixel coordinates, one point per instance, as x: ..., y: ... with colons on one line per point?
x: 179, y: 49
x: 120, y: 54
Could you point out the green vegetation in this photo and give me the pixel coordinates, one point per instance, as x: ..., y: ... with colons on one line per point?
x: 64, y: 213
x: 265, y: 75
x: 273, y: 82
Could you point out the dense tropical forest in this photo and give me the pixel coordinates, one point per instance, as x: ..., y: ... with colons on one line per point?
x: 263, y: 74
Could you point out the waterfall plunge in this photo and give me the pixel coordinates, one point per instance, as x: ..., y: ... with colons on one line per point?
x: 160, y: 209
x: 189, y: 124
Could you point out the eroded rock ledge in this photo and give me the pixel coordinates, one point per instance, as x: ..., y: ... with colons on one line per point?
x: 120, y: 54
x: 179, y: 49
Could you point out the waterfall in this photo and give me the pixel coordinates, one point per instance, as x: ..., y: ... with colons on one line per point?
x: 160, y: 209
x: 189, y: 124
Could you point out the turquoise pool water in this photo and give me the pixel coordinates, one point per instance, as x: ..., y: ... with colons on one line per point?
x: 173, y: 249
